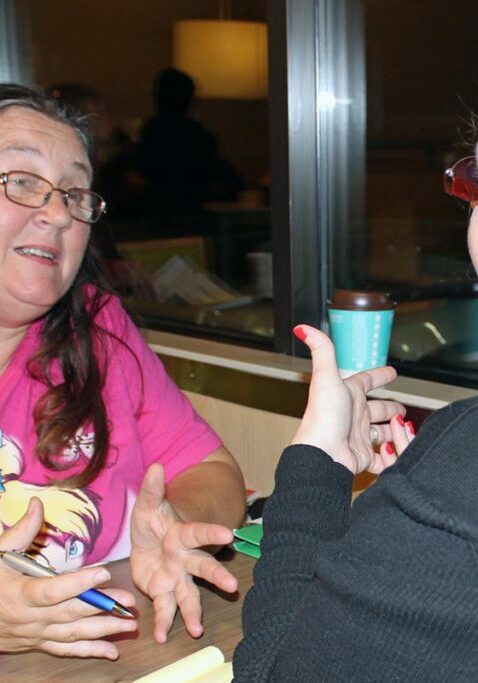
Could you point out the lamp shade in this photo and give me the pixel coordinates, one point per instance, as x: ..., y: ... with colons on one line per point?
x: 226, y: 59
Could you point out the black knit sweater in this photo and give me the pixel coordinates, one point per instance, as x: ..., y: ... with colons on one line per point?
x: 384, y: 591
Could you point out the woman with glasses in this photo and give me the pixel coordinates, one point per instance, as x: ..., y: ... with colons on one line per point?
x: 101, y: 456
x: 386, y: 590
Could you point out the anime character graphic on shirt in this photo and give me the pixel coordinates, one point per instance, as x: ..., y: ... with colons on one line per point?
x: 72, y: 518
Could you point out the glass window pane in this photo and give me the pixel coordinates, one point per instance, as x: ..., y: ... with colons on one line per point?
x: 184, y: 168
x: 420, y: 91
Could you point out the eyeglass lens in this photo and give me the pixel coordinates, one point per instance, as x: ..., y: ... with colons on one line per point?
x: 34, y: 191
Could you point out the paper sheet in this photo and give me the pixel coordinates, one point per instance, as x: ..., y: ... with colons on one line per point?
x: 205, y: 666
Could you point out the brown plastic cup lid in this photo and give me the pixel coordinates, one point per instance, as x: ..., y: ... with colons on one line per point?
x: 353, y: 300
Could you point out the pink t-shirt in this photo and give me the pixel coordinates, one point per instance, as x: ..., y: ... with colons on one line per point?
x: 150, y: 420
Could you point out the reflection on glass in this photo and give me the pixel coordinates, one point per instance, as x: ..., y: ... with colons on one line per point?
x: 185, y: 177
x: 419, y: 96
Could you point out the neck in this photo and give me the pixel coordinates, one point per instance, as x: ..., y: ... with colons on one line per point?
x: 10, y: 339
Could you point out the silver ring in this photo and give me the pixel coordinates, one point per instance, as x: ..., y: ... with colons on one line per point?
x: 374, y: 436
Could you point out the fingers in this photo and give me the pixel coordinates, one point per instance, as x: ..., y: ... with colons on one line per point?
x: 372, y: 379
x: 381, y: 433
x: 402, y: 433
x: 206, y: 567
x: 164, y: 611
x: 65, y: 629
x: 380, y: 414
x: 324, y: 365
x: 89, y: 628
x: 200, y: 534
x: 186, y: 596
x: 410, y: 430
x: 386, y: 457
x: 75, y: 609
x: 151, y: 493
x: 43, y: 592
x: 83, y: 648
x: 202, y: 564
x: 186, y: 559
x: 383, y: 411
x: 189, y: 604
x: 399, y: 432
x: 22, y: 534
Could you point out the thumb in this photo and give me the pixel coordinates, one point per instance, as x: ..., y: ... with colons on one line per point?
x: 324, y: 365
x: 22, y: 534
x: 151, y: 493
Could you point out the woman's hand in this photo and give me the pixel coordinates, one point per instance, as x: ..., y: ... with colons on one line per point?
x: 166, y: 555
x: 44, y: 614
x: 338, y: 416
x: 402, y: 433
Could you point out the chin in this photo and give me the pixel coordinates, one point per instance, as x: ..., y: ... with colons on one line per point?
x: 41, y: 300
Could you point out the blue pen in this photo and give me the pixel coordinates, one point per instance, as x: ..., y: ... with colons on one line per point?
x: 29, y: 566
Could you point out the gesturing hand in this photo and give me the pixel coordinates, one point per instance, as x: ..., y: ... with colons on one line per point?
x: 44, y: 613
x: 166, y: 555
x: 338, y: 416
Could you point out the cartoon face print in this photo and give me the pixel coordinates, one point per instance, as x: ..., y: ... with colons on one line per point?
x: 82, y: 445
x: 72, y: 518
x: 65, y: 550
x: 81, y: 448
x: 11, y: 461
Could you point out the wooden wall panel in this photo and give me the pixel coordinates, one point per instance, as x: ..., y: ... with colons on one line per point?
x: 255, y: 437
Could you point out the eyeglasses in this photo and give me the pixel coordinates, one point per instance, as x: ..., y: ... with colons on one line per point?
x: 29, y: 189
x: 461, y: 180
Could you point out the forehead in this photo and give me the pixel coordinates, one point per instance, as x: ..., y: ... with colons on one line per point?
x: 22, y: 128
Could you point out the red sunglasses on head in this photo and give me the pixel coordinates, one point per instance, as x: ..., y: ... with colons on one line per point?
x: 461, y: 180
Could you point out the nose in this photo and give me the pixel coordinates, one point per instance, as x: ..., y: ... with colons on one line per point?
x: 55, y: 211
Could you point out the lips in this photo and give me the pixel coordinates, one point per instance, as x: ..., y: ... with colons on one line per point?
x: 45, y: 253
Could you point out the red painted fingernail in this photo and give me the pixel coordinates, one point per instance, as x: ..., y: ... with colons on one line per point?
x: 410, y: 426
x: 400, y: 421
x: 389, y: 448
x: 299, y: 332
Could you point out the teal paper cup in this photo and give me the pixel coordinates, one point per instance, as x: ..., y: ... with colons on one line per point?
x: 360, y: 329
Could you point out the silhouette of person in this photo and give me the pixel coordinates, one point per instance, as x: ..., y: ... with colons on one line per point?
x: 86, y: 99
x: 177, y: 155
x: 116, y: 177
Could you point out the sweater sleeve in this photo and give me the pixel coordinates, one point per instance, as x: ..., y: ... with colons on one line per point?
x: 391, y: 594
x: 310, y: 505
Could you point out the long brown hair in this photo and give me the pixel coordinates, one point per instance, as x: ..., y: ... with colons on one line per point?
x: 69, y: 335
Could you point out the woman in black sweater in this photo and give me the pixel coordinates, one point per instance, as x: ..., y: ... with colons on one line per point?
x: 386, y: 590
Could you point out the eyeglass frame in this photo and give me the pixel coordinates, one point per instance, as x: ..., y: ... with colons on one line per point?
x: 65, y: 194
x: 468, y: 191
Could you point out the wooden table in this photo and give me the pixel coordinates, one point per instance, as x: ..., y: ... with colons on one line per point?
x: 139, y: 653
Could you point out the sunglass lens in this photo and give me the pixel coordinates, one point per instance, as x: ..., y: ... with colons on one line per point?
x: 462, y: 180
